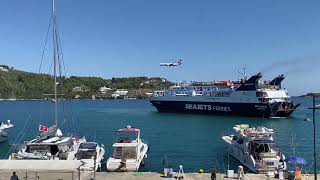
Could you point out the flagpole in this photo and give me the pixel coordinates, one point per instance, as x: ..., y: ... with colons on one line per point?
x: 314, y: 135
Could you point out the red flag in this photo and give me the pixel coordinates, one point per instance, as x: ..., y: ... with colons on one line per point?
x: 43, y: 128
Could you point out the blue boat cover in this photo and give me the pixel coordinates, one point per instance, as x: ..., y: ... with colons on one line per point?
x: 88, y: 145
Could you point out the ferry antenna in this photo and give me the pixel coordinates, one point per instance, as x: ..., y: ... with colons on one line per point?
x: 243, y: 73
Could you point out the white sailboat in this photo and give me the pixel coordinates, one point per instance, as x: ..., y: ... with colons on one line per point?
x: 4, y: 127
x: 51, y: 144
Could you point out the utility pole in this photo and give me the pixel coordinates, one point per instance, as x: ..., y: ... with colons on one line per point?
x: 314, y: 136
x: 314, y: 107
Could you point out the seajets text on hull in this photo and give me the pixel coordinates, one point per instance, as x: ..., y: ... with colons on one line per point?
x: 205, y: 107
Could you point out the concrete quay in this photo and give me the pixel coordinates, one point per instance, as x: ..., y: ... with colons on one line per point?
x: 69, y: 170
x: 74, y: 175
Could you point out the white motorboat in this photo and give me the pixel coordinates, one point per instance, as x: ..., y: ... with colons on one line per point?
x: 129, y: 151
x: 253, y: 148
x: 91, y: 155
x: 4, y: 127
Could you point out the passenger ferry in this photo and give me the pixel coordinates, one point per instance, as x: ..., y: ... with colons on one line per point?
x: 247, y: 97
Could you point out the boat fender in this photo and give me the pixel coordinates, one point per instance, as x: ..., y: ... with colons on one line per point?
x: 146, y: 156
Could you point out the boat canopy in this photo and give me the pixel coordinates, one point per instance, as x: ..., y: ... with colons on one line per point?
x: 129, y: 129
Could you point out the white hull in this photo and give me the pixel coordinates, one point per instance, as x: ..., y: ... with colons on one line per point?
x: 86, y: 164
x: 243, y: 157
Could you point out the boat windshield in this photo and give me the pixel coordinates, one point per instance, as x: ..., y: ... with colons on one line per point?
x: 258, y: 148
x: 53, y: 149
x: 85, y: 154
x: 37, y: 148
x: 126, y: 137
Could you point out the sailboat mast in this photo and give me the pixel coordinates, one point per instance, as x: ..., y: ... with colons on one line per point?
x: 54, y: 62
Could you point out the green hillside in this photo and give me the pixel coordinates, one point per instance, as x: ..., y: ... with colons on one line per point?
x: 25, y: 85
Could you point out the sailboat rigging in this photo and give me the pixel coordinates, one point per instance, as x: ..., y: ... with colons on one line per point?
x: 51, y: 144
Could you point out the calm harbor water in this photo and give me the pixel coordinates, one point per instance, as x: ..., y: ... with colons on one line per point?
x: 191, y: 140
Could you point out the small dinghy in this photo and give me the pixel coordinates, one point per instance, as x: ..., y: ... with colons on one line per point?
x: 4, y: 130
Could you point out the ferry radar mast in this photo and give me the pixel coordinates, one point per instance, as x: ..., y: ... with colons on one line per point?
x: 243, y: 73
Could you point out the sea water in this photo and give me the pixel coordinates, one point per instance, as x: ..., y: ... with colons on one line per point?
x: 193, y: 141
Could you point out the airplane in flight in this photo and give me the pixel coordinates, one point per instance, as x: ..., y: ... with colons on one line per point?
x: 178, y: 63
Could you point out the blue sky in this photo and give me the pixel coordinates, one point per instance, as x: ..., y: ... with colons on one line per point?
x: 117, y: 38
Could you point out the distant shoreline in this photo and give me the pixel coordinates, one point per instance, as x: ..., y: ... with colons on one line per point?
x: 317, y: 95
x: 310, y: 95
x: 68, y: 99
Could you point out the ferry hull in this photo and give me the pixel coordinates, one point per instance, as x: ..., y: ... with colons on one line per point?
x: 219, y: 108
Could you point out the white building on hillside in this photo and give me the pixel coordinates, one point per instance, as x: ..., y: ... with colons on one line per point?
x: 104, y: 89
x: 119, y: 92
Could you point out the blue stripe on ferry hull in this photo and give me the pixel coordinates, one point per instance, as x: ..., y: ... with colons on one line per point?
x: 214, y: 108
